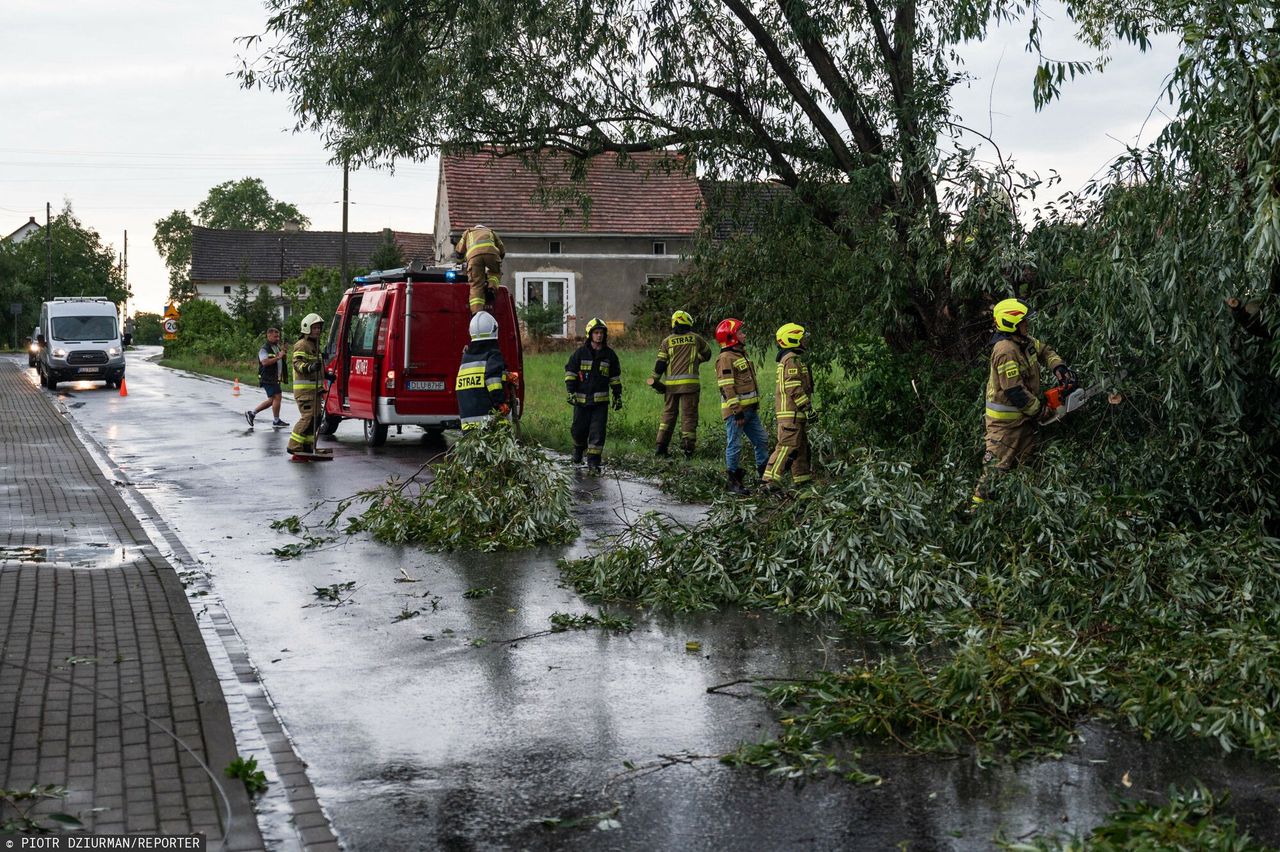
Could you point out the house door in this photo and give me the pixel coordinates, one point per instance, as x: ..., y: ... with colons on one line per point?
x: 541, y: 288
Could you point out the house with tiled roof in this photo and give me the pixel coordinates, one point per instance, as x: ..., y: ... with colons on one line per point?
x: 589, y: 240
x: 222, y: 260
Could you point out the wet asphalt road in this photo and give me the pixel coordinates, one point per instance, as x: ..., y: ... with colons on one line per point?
x: 463, y: 741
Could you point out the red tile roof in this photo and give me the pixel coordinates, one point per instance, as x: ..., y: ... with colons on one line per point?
x: 642, y: 197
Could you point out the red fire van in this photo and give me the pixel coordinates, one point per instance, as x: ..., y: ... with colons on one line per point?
x: 395, y: 345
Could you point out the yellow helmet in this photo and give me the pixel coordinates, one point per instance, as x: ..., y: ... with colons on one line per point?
x: 593, y: 324
x: 1008, y: 314
x: 790, y: 336
x: 681, y: 318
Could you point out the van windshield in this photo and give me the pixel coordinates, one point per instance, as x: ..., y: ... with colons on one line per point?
x: 84, y: 328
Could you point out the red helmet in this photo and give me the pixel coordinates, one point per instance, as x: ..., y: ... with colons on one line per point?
x: 728, y: 332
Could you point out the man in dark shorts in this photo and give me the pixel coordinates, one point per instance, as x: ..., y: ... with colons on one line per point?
x: 271, y: 376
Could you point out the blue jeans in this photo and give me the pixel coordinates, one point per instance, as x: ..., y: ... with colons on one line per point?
x: 733, y: 438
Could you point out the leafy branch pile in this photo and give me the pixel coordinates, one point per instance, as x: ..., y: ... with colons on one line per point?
x: 1192, y: 819
x: 489, y: 493
x: 1056, y: 605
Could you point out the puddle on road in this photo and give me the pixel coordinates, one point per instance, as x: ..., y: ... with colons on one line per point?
x: 91, y: 555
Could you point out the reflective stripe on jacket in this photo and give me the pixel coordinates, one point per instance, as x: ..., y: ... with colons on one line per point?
x: 679, y: 357
x: 1013, y: 382
x: 479, y: 384
x: 793, y: 389
x: 307, y: 365
x: 736, y: 378
x: 590, y: 374
x: 480, y: 241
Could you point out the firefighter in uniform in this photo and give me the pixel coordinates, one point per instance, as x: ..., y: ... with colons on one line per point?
x: 740, y: 402
x: 1013, y: 408
x: 308, y: 373
x: 481, y: 375
x: 679, y: 357
x: 590, y: 375
x: 483, y: 251
x: 793, y: 404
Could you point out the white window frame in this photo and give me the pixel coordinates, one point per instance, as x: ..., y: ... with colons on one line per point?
x: 570, y: 300
x: 555, y: 247
x: 660, y: 248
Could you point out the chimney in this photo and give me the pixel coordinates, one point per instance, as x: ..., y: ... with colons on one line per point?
x: 291, y: 226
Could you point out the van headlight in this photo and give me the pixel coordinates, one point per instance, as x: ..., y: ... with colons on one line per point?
x: 60, y: 353
x: 113, y: 351
x: 35, y: 347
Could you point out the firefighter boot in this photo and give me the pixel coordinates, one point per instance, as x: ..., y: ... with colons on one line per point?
x: 577, y: 454
x: 593, y: 465
x: 760, y: 470
x: 661, y: 450
x: 735, y: 485
x: 688, y: 447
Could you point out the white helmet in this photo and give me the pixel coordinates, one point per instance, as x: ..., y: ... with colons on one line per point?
x: 483, y: 327
x: 310, y: 320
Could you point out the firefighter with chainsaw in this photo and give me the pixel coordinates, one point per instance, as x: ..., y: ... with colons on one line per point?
x: 1013, y: 405
x: 308, y: 373
x: 675, y: 376
x: 480, y: 387
x: 793, y: 407
x: 739, y: 403
x: 591, y: 375
x: 482, y: 251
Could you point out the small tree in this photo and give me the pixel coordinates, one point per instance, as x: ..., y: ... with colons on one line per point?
x: 148, y: 329
x: 541, y: 321
x: 388, y: 254
x: 238, y: 307
x: 262, y: 313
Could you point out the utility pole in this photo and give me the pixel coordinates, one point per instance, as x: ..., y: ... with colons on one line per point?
x: 124, y: 270
x: 346, y: 163
x: 48, y: 251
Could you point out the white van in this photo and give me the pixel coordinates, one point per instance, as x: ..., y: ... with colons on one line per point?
x: 79, y: 339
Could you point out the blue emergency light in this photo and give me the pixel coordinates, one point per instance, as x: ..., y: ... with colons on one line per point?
x: 360, y: 279
x: 450, y: 275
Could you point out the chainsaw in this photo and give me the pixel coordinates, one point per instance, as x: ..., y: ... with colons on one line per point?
x: 1062, y: 399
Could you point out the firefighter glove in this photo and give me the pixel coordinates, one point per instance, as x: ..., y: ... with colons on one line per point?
x: 572, y: 400
x: 1065, y: 374
x: 331, y: 375
x: 504, y: 409
x: 617, y: 402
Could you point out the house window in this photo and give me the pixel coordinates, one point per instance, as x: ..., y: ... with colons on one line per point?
x: 226, y: 289
x: 659, y: 248
x: 540, y: 288
x: 555, y: 247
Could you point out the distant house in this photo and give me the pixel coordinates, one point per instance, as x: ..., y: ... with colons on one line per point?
x: 223, y: 260
x: 640, y: 225
x: 31, y: 227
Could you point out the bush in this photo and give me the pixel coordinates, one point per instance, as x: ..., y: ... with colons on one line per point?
x: 541, y: 321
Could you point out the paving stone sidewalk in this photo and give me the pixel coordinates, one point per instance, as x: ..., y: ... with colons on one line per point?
x: 100, y: 652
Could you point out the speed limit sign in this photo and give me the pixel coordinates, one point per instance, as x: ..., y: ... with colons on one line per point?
x: 170, y: 329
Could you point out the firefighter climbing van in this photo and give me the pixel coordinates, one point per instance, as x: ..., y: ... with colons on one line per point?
x: 394, y: 347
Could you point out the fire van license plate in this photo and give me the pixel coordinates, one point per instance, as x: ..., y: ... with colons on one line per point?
x: 427, y: 386
x: 87, y: 370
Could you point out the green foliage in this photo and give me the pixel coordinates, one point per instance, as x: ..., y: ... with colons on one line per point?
x: 490, y: 493
x: 1127, y: 611
x: 148, y: 329
x: 1191, y: 819
x: 563, y: 621
x: 255, y: 780
x: 172, y: 240
x: 246, y: 205
x: 22, y: 805
x: 82, y: 266
x: 317, y: 289
x: 541, y: 321
x: 243, y: 204
x: 387, y: 254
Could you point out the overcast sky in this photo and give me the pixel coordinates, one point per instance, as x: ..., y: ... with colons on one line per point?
x: 125, y: 108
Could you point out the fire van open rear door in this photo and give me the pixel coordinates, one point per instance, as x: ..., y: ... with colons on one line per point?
x: 436, y: 332
x: 362, y: 355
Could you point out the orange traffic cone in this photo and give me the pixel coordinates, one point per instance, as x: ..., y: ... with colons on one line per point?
x: 235, y: 388
x: 124, y: 389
